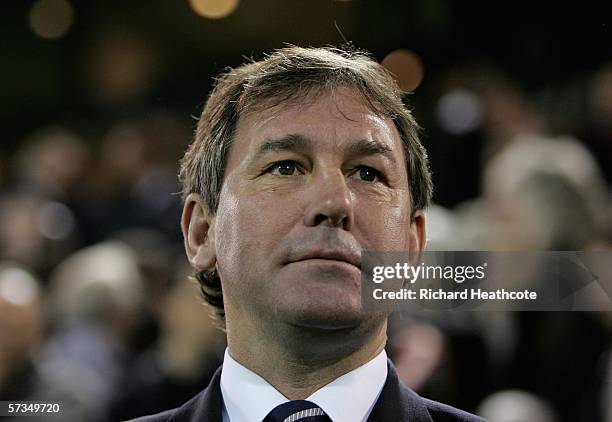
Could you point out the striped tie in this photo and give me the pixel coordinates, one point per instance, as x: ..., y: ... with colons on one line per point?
x: 297, y: 411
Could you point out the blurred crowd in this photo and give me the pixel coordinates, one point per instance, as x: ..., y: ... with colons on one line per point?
x: 98, y: 310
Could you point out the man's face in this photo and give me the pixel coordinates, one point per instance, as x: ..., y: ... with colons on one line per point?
x: 307, y: 189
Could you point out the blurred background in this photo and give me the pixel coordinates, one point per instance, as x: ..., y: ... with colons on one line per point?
x: 97, y: 105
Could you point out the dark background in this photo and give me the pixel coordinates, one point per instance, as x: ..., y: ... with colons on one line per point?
x: 54, y: 81
x: 95, y: 309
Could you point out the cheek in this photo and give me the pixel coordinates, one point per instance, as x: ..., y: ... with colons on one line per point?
x: 228, y: 226
x: 384, y: 226
x: 234, y: 226
x: 248, y: 226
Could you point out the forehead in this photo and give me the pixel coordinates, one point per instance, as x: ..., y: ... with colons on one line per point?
x: 331, y: 119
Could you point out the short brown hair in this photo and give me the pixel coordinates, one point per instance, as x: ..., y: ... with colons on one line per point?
x: 292, y: 74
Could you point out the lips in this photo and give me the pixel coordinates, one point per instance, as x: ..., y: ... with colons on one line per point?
x: 332, y: 255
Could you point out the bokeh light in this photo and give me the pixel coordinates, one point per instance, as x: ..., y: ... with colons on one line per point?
x: 17, y: 286
x: 123, y: 67
x: 55, y: 221
x: 214, y: 9
x: 407, y: 68
x: 51, y: 19
x: 459, y: 112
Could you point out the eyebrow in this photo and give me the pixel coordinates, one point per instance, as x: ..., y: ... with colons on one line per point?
x: 364, y: 147
x: 295, y: 142
x: 286, y: 143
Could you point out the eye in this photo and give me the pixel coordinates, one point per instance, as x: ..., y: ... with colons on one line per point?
x: 368, y: 174
x: 283, y: 168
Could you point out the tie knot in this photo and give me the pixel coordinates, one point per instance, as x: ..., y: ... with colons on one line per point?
x: 297, y: 411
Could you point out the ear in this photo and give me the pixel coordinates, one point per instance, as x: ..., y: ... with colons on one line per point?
x: 197, y: 225
x: 417, y: 236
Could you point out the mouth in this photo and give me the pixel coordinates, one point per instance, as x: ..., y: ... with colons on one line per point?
x: 332, y: 256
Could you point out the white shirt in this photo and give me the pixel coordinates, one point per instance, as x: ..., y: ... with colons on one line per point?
x: 247, y: 397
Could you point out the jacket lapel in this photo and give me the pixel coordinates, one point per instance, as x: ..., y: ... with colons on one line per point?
x: 398, y: 403
x: 205, y: 407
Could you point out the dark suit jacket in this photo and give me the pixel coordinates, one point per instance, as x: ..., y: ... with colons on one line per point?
x: 396, y: 403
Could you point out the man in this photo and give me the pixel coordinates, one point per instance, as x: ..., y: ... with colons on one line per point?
x: 301, y: 162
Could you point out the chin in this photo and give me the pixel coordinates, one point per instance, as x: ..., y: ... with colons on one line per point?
x: 330, y: 321
x: 326, y: 315
x: 331, y: 333
x: 318, y: 300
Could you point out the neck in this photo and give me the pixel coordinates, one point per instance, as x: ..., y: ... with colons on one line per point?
x: 298, y: 361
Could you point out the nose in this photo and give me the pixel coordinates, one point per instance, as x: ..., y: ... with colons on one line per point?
x: 330, y: 202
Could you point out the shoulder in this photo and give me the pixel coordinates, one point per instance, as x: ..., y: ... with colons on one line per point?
x: 399, y: 403
x: 443, y: 413
x: 182, y: 413
x: 205, y: 406
x: 160, y: 417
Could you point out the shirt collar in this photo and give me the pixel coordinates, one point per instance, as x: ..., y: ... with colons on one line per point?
x: 349, y: 398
